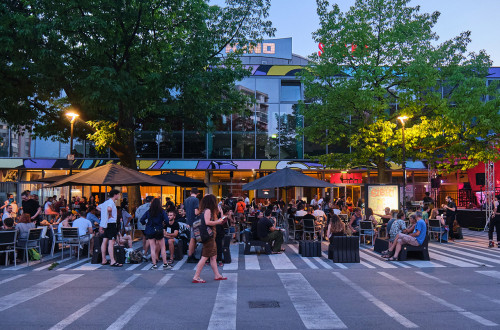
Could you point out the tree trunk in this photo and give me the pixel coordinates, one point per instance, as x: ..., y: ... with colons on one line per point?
x: 382, y: 172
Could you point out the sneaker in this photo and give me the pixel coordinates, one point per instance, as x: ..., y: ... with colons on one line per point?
x: 167, y: 266
x: 491, y: 244
x: 154, y: 267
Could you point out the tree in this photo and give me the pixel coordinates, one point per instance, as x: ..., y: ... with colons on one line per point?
x: 381, y: 60
x: 126, y: 66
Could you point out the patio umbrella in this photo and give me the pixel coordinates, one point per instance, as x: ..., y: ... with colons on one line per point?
x: 285, y: 178
x: 51, y: 179
x: 110, y: 175
x: 180, y: 180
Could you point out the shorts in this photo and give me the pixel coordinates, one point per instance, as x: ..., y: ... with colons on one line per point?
x: 407, y: 239
x: 111, y: 231
x: 176, y: 240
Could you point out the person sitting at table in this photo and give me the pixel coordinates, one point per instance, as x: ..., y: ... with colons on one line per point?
x: 300, y: 210
x: 8, y: 224
x: 354, y: 222
x: 370, y: 217
x: 309, y: 215
x: 397, y: 226
x: 416, y: 238
x: 267, y: 232
x: 65, y: 222
x: 335, y: 228
x: 23, y: 227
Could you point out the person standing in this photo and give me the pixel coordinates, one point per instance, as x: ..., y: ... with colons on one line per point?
x: 208, y: 210
x: 155, y: 219
x: 495, y: 223
x: 451, y: 213
x: 108, y: 228
x: 141, y: 210
x: 191, y: 204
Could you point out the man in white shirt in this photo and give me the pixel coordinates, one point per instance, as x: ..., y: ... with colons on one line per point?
x: 8, y: 212
x: 314, y: 201
x: 84, y: 228
x: 108, y: 228
x: 319, y: 213
x: 247, y: 200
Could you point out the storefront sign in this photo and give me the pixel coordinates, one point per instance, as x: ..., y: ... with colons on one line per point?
x: 381, y: 196
x: 278, y: 48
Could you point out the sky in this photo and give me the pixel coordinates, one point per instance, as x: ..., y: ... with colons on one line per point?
x: 298, y: 19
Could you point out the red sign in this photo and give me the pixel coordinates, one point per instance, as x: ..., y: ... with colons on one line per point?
x: 346, y: 178
x: 382, y: 191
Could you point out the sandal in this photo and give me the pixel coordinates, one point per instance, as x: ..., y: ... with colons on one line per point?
x: 222, y: 278
x: 386, y: 252
x: 199, y: 281
x: 391, y: 259
x: 116, y: 265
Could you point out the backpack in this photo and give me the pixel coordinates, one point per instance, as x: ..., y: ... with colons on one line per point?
x: 202, y: 232
x: 33, y: 254
x: 135, y: 257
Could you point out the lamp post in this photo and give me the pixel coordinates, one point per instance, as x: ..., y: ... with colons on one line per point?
x: 71, y: 157
x: 402, y: 119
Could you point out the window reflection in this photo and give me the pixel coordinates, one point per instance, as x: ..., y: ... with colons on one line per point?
x: 268, y: 87
x: 267, y: 116
x: 290, y: 90
x: 291, y: 146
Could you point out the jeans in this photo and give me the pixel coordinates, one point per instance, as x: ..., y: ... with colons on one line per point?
x: 494, y: 223
x: 449, y: 223
x: 276, y: 237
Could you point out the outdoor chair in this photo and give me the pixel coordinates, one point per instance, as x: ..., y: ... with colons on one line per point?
x: 8, y: 244
x: 33, y: 242
x: 366, y: 229
x: 56, y: 239
x: 310, y: 228
x: 71, y: 237
x: 435, y: 226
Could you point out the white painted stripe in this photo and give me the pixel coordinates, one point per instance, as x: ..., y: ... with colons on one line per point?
x: 306, y: 260
x: 443, y: 302
x: 50, y: 264
x: 376, y: 256
x: 381, y: 305
x: 224, y: 312
x: 87, y: 308
x: 490, y: 273
x: 281, y: 261
x: 375, y: 261
x: 312, y: 309
x: 471, y: 255
x: 89, y: 267
x: 476, y: 249
x: 452, y: 261
x: 133, y: 266
x: 322, y: 263
x: 251, y: 262
x: 338, y: 264
x: 367, y: 265
x: 423, y: 264
x: 179, y: 263
x: 148, y: 266
x: 76, y: 263
x: 36, y: 290
x: 235, y: 251
x: 479, y: 263
x: 433, y: 278
x: 11, y: 278
x: 135, y: 308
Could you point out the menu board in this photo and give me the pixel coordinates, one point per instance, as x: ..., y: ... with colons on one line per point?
x: 382, y: 196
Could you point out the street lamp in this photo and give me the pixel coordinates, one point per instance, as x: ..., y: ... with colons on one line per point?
x: 71, y: 157
x: 402, y: 119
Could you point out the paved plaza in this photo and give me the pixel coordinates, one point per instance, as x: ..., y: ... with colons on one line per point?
x: 458, y: 288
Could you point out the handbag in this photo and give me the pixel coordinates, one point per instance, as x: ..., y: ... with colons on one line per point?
x: 202, y: 232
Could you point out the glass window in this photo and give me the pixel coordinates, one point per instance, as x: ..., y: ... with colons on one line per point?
x: 171, y: 145
x: 219, y: 145
x: 268, y: 90
x: 267, y: 131
x: 247, y: 86
x: 244, y: 134
x: 195, y: 144
x: 290, y: 91
x: 291, y: 146
x: 146, y: 144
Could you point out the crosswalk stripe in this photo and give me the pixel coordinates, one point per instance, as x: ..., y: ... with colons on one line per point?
x: 306, y: 260
x: 133, y: 266
x: 50, y: 264
x: 85, y: 309
x: 490, y: 273
x: 281, y: 261
x: 135, y: 308
x: 312, y: 309
x: 11, y: 278
x: 397, y: 263
x: 251, y: 262
x: 424, y: 264
x: 81, y: 261
x: 474, y: 256
x: 484, y: 251
x: 89, y: 267
x: 493, y: 300
x: 340, y: 265
x: 235, y: 251
x: 381, y: 305
x: 147, y: 267
x: 456, y: 261
x: 443, y: 302
x: 179, y: 263
x: 322, y: 263
x: 224, y: 311
x: 36, y: 290
x: 373, y: 260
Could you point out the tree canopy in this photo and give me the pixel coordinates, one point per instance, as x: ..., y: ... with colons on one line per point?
x: 381, y: 59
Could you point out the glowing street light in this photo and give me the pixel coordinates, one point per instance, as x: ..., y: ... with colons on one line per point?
x: 71, y: 157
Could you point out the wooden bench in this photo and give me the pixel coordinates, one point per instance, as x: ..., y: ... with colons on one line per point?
x: 251, y: 241
x: 422, y: 251
x: 345, y: 249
